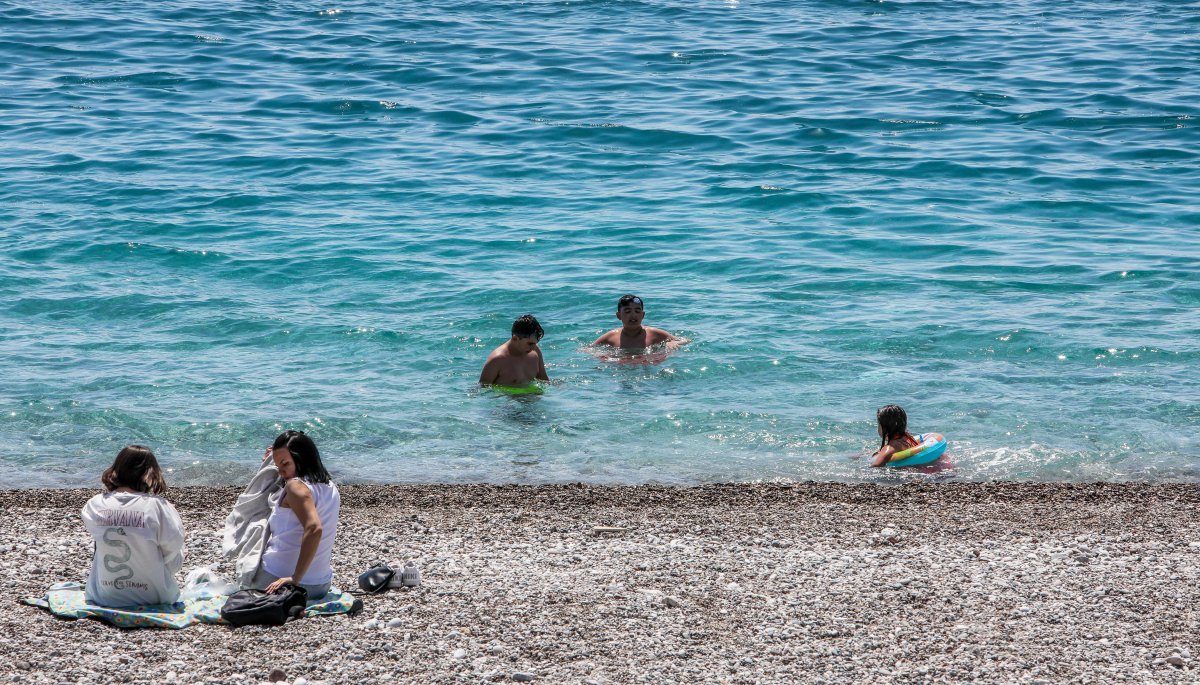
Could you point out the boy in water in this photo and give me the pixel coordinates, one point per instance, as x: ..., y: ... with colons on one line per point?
x: 518, y: 362
x: 632, y: 335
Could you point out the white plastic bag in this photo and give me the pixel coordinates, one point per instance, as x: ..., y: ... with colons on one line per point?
x: 203, y: 582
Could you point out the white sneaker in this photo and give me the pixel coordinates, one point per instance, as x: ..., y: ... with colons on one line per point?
x: 410, y: 575
x: 397, y: 567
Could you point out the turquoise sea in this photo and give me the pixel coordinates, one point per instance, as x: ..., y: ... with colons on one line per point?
x: 220, y: 221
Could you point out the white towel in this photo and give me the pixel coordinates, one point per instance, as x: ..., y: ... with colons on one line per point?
x: 246, y: 527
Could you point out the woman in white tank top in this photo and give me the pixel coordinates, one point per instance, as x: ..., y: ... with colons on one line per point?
x: 303, y: 524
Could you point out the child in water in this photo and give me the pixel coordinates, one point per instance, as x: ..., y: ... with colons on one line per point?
x: 893, y: 433
x: 632, y: 335
x: 518, y: 362
x: 138, y: 534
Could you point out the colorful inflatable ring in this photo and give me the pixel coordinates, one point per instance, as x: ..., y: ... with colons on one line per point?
x: 932, y: 446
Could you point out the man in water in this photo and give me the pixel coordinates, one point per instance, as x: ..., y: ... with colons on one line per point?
x: 518, y: 362
x: 632, y: 335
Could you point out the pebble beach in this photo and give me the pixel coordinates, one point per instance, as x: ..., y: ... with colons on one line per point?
x: 748, y: 583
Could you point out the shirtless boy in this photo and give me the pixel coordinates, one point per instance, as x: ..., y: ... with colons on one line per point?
x: 518, y: 361
x: 632, y: 334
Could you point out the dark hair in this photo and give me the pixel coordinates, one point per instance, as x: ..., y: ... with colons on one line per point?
x: 893, y: 421
x: 135, y: 468
x: 304, y: 455
x: 527, y: 326
x: 629, y: 299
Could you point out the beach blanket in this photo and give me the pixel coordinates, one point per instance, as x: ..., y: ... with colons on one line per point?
x: 246, y: 529
x: 66, y: 600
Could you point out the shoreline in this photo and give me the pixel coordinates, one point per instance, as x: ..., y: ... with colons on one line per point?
x: 739, y: 583
x: 360, y: 494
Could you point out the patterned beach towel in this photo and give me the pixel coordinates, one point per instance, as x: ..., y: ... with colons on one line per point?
x: 66, y: 600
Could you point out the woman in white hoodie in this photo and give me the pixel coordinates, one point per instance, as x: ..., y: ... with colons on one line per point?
x: 138, y: 534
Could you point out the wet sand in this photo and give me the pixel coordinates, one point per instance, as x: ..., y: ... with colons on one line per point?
x: 813, y: 582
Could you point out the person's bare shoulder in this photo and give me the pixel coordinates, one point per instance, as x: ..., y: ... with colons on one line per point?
x: 492, y: 365
x: 611, y: 338
x: 658, y: 335
x: 297, y: 488
x: 499, y: 352
x: 297, y: 493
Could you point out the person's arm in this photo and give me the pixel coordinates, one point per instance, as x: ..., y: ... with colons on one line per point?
x: 299, y: 498
x: 491, y: 371
x: 883, y: 455
x: 673, y: 342
x: 604, y: 340
x: 541, y: 374
x: 170, y: 537
x: 88, y: 516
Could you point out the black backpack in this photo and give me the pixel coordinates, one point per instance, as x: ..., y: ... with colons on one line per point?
x: 256, y: 607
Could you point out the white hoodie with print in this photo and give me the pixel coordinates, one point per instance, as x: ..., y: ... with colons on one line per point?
x: 139, y: 548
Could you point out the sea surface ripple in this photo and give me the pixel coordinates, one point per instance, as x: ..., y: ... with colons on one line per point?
x: 219, y: 221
